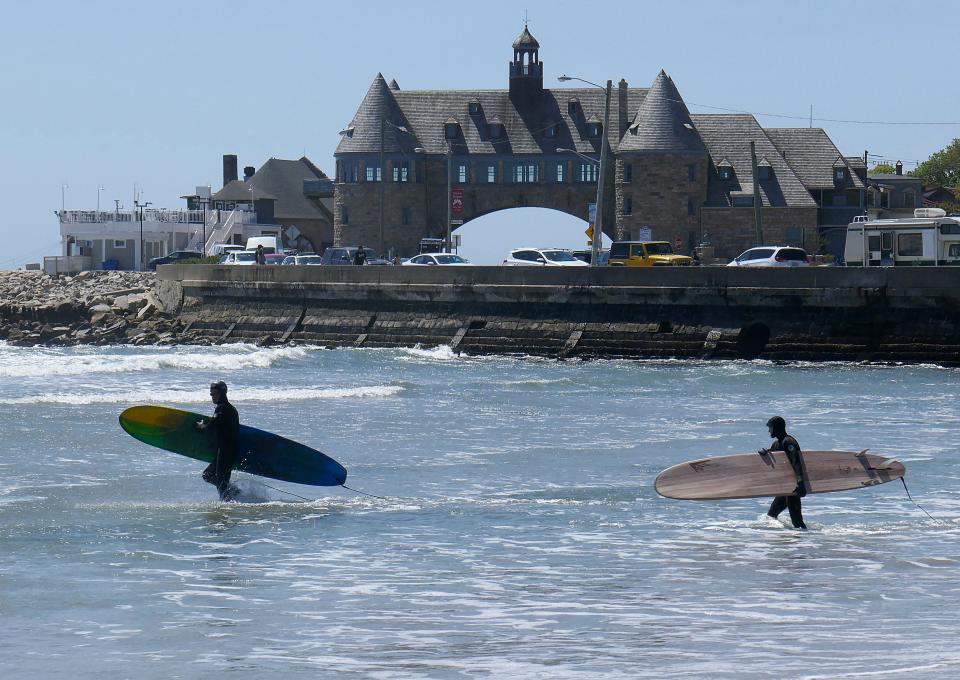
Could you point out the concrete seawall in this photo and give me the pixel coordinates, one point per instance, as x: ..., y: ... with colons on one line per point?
x: 815, y: 313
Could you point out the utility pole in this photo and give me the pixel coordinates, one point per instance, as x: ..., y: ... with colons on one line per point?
x: 597, y: 238
x: 381, y: 179
x: 757, y: 202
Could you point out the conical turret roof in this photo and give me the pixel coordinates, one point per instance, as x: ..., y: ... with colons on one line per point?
x: 363, y: 133
x: 662, y: 123
x: 525, y: 39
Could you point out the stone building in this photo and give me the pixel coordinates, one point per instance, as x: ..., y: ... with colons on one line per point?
x: 687, y: 178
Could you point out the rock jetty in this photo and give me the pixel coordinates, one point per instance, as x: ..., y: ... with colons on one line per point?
x: 89, y: 308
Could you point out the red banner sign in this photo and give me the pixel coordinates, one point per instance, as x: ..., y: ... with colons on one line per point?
x: 456, y: 201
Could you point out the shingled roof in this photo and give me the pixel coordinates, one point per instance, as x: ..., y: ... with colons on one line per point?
x: 662, y: 123
x: 363, y: 133
x: 525, y: 39
x: 812, y: 155
x: 284, y: 180
x: 238, y: 190
x: 727, y: 137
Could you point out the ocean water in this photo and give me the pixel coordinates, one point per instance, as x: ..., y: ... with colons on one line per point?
x: 518, y: 535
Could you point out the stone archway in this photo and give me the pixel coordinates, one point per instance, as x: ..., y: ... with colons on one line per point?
x: 487, y: 239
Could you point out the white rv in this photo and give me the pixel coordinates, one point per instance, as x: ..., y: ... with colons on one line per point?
x: 929, y: 238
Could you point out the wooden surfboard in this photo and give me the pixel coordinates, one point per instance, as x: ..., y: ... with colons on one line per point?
x: 750, y: 475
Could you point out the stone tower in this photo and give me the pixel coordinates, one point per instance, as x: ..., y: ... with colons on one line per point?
x: 662, y: 166
x: 526, y: 70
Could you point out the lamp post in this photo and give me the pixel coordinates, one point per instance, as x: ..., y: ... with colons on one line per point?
x: 598, y: 226
x: 63, y: 196
x: 99, y: 189
x: 141, y: 206
x: 203, y: 245
x: 447, y: 244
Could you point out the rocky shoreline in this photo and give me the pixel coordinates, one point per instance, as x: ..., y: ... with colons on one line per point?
x: 89, y: 308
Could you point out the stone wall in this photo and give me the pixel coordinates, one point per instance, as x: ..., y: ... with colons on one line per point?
x: 816, y: 313
x: 732, y: 230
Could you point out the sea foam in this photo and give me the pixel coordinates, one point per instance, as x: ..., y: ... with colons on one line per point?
x: 196, y: 396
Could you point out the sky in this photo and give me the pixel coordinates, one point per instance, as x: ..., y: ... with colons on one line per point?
x: 114, y: 94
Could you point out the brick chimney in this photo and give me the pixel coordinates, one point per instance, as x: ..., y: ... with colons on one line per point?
x: 622, y: 112
x: 899, y: 167
x: 229, y: 168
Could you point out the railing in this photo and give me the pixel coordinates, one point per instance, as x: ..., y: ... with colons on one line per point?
x: 236, y: 218
x: 127, y: 216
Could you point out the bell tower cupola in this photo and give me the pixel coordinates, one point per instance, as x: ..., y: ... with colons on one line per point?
x: 526, y: 69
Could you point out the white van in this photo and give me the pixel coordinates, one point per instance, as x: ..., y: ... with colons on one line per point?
x: 219, y: 249
x: 271, y: 244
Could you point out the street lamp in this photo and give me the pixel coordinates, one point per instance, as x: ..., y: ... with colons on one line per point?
x: 141, y: 206
x: 598, y: 224
x: 63, y: 196
x: 99, y: 189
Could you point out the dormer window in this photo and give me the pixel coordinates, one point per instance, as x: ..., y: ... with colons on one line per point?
x: 594, y: 126
x: 764, y: 173
x: 573, y: 106
x: 495, y: 128
x: 839, y: 175
x: 550, y: 130
x: 451, y: 129
x: 474, y: 107
x: 726, y: 172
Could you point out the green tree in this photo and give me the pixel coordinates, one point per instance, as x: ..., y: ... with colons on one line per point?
x: 942, y: 168
x: 883, y: 169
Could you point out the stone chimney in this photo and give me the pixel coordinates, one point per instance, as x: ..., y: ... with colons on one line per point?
x: 622, y: 110
x: 229, y: 168
x: 248, y: 172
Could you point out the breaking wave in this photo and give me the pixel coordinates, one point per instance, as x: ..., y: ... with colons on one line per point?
x: 196, y: 396
x: 43, y: 362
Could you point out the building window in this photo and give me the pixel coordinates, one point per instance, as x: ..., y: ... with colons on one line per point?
x: 373, y: 173
x: 405, y: 215
x: 692, y: 172
x: 350, y: 171
x: 839, y: 174
x: 462, y: 172
x: 491, y: 173
x: 628, y: 172
x: 743, y: 201
x: 627, y: 206
x: 117, y: 243
x: 525, y: 173
x: 558, y: 172
x: 691, y: 206
x: 909, y: 199
x: 573, y: 105
x: 401, y: 171
x: 726, y: 173
x: 550, y: 131
x: 587, y: 172
x: 593, y: 130
x: 839, y: 200
x: 344, y: 214
x: 474, y: 108
x: 764, y: 173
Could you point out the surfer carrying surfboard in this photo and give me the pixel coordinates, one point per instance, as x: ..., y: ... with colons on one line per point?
x: 777, y: 427
x: 226, y: 424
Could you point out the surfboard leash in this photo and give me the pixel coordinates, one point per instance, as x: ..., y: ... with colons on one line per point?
x: 289, y: 493
x: 364, y: 493
x: 939, y: 521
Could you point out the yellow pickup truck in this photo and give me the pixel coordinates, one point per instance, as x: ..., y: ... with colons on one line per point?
x: 646, y: 254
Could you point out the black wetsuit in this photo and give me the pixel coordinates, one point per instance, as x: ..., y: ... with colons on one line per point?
x: 790, y: 445
x: 226, y: 424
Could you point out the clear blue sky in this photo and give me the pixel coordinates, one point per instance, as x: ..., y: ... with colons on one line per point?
x: 111, y: 93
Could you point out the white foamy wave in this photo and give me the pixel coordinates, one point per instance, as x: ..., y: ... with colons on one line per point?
x: 40, y: 363
x: 197, y: 396
x: 441, y: 353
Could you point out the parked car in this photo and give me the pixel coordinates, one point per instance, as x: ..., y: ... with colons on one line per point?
x: 174, y: 257
x: 646, y: 254
x: 446, y: 259
x: 303, y: 259
x: 274, y: 258
x: 586, y: 255
x: 772, y: 256
x: 549, y: 257
x: 345, y: 255
x: 224, y: 248
x: 244, y: 257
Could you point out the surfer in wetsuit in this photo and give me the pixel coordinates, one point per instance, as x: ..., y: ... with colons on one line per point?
x: 778, y: 430
x: 226, y: 424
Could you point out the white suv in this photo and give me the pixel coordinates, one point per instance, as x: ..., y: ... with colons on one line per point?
x: 550, y: 257
x: 772, y: 256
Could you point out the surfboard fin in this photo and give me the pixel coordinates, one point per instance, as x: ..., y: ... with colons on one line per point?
x: 886, y: 464
x: 862, y: 453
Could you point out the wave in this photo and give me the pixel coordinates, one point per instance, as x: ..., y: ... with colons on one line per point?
x: 44, y: 362
x: 197, y: 396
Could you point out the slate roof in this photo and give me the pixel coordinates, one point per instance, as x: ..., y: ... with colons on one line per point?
x: 728, y: 136
x: 423, y: 113
x: 662, y: 123
x: 238, y: 190
x: 812, y: 155
x: 281, y: 181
